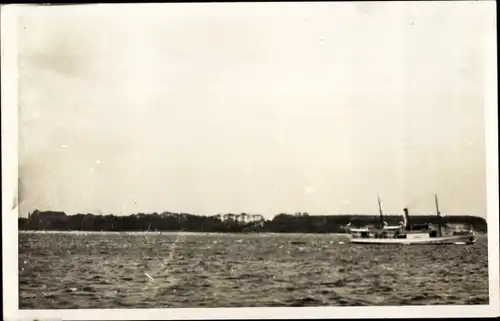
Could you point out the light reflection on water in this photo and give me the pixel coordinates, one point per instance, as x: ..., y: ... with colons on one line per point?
x: 158, y: 270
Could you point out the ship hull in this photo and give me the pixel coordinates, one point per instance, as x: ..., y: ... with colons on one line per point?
x: 461, y: 239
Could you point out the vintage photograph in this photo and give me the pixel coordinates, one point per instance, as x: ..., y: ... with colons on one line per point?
x: 232, y: 155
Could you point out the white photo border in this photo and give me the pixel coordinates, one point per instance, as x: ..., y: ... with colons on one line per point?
x: 9, y: 126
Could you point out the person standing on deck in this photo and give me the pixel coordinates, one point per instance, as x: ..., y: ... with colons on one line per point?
x: 403, y: 221
x: 442, y: 221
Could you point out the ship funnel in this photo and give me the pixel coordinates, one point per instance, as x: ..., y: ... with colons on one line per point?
x: 407, y: 217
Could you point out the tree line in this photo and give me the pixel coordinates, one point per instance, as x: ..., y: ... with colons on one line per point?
x: 233, y: 223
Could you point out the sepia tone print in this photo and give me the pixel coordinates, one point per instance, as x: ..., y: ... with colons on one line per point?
x: 210, y: 156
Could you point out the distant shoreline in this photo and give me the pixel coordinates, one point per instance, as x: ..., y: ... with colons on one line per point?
x: 164, y: 232
x: 225, y: 223
x: 177, y: 232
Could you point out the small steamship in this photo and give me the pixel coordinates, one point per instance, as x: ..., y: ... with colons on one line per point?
x: 404, y: 233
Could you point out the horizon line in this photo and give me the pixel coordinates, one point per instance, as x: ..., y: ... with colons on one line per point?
x: 246, y: 213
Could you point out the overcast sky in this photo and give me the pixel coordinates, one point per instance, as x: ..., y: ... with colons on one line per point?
x: 254, y: 108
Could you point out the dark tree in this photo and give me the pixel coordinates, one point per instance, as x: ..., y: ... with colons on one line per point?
x: 281, y: 223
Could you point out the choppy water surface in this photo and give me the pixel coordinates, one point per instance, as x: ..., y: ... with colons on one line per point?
x: 152, y: 270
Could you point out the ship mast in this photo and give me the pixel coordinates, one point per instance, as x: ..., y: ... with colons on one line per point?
x: 380, y: 212
x: 438, y: 213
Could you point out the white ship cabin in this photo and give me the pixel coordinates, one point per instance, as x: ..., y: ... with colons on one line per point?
x: 421, y: 231
x: 403, y: 230
x: 411, y: 233
x: 416, y: 231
